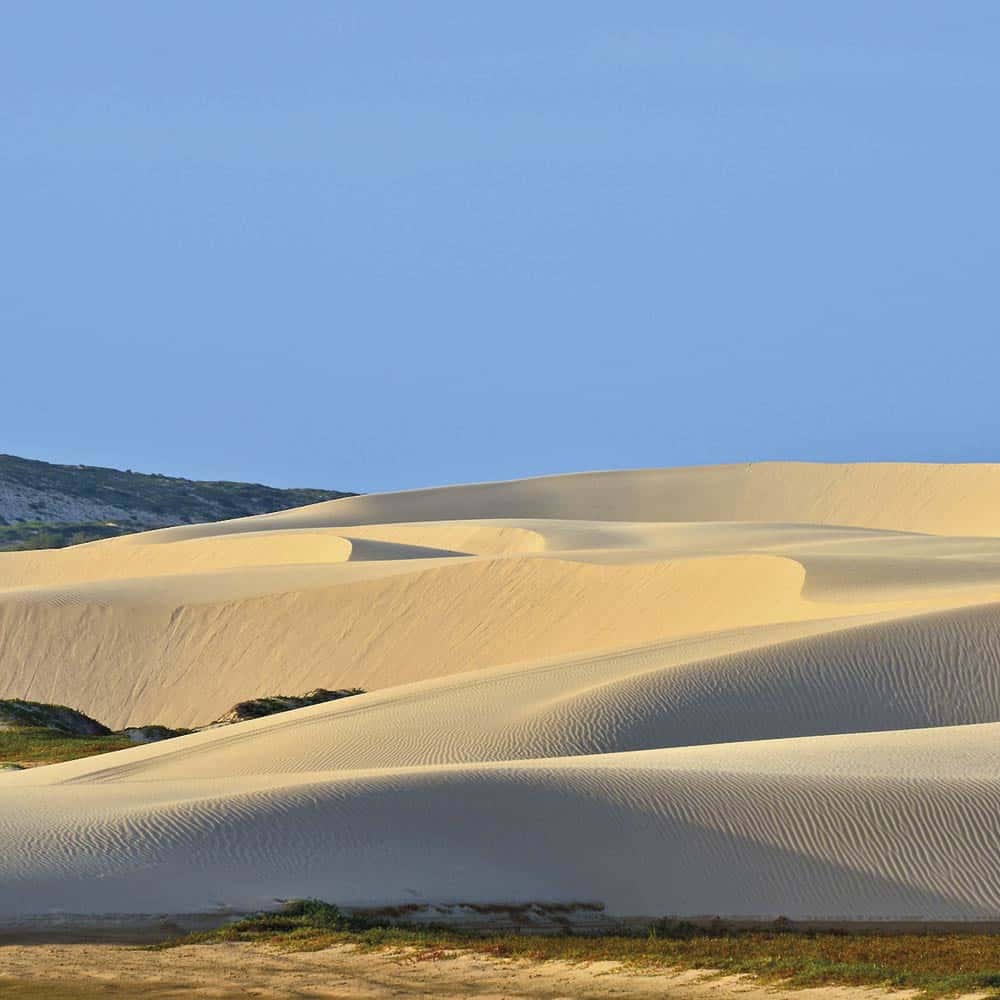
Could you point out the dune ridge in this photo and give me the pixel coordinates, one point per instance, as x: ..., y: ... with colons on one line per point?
x: 740, y: 690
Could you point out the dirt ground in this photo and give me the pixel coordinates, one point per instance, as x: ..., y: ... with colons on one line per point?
x: 91, y: 971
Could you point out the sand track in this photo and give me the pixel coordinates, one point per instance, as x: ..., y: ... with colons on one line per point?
x: 751, y: 690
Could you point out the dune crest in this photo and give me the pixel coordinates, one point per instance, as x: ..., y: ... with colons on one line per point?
x: 747, y: 690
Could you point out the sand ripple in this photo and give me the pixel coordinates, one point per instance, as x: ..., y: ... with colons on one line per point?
x: 749, y: 690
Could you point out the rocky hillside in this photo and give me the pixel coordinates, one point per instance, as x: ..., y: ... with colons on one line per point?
x: 47, y: 506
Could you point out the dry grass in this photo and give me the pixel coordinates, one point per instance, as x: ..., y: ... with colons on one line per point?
x: 32, y: 745
x: 934, y: 964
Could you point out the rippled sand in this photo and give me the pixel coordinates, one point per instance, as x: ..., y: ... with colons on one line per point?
x: 744, y: 690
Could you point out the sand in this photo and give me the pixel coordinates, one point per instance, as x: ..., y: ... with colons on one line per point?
x: 745, y: 690
x: 231, y: 971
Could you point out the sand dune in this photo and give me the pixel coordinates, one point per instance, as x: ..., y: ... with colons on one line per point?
x: 744, y: 690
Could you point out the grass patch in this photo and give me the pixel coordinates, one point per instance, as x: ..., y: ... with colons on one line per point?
x: 935, y: 964
x: 258, y: 708
x: 33, y: 732
x: 39, y: 714
x: 28, y: 535
x: 30, y: 745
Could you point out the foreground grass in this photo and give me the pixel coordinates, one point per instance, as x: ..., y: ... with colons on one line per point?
x: 31, y: 745
x: 935, y: 964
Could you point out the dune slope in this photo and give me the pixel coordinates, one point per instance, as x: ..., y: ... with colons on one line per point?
x: 744, y: 690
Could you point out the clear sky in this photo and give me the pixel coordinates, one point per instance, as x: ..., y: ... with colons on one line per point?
x: 376, y: 245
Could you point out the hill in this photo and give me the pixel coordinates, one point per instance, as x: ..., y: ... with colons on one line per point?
x: 45, y: 506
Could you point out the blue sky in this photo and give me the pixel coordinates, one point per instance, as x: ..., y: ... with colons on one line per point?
x: 383, y: 245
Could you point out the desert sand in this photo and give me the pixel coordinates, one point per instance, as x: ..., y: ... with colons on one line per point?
x: 754, y: 690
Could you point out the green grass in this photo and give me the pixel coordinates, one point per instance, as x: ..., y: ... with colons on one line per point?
x: 39, y: 733
x: 934, y: 964
x: 39, y: 714
x: 36, y: 745
x: 258, y: 708
x: 55, y: 535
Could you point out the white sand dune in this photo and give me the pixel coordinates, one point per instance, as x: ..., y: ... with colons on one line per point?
x: 743, y: 690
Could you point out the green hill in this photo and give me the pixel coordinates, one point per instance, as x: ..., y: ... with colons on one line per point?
x: 49, y: 506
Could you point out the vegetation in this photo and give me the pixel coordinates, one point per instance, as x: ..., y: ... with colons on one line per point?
x: 257, y: 708
x: 15, y: 712
x: 48, y: 506
x: 31, y: 745
x: 45, y: 535
x: 33, y: 733
x: 934, y: 964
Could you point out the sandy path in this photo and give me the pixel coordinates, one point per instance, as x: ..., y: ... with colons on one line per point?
x: 85, y: 972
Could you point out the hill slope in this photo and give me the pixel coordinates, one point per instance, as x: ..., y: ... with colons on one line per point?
x: 48, y: 506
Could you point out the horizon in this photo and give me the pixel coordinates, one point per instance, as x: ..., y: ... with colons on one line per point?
x: 389, y: 248
x: 542, y: 475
